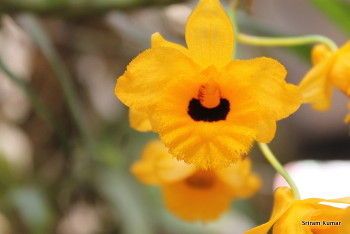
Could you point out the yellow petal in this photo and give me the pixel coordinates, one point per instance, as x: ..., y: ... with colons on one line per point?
x: 328, y: 212
x: 209, y: 34
x: 288, y: 215
x: 158, y: 41
x: 144, y: 172
x: 347, y: 118
x: 267, y: 130
x: 291, y: 220
x: 310, y: 210
x: 319, y: 53
x: 324, y: 101
x: 144, y: 169
x: 345, y: 228
x: 315, y: 87
x: 232, y: 174
x: 202, y: 197
x: 239, y: 177
x: 283, y: 200
x: 325, y: 213
x: 340, y: 73
x: 140, y: 85
x: 253, y: 184
x: 139, y: 120
x: 158, y: 166
x: 276, y: 98
x: 169, y: 169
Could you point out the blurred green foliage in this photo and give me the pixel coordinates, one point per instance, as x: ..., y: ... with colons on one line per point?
x: 75, y: 8
x: 335, y: 10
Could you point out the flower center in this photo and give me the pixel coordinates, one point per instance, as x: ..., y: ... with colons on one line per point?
x: 209, y: 95
x: 209, y: 107
x: 201, y: 180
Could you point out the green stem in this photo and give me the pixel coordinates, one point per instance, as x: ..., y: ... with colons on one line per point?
x: 39, y: 106
x: 279, y: 168
x: 286, y: 41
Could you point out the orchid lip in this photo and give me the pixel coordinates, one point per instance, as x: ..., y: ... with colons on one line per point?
x: 200, y: 113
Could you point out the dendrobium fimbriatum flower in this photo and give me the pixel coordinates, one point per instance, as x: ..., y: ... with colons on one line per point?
x: 330, y: 69
x: 190, y: 193
x: 207, y: 108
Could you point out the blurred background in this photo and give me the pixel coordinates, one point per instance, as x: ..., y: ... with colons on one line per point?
x: 65, y: 142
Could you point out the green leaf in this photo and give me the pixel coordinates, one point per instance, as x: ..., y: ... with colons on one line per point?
x: 118, y: 190
x: 336, y: 10
x: 33, y: 207
x: 7, y: 177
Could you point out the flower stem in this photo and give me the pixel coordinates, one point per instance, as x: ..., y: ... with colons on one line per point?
x: 286, y: 41
x: 279, y: 168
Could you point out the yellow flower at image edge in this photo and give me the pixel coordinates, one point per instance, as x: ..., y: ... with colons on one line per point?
x: 330, y: 69
x: 207, y: 109
x: 311, y: 215
x: 190, y: 193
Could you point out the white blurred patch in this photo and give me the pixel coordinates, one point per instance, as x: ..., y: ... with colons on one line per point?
x: 335, y: 204
x: 82, y: 218
x: 318, y: 179
x: 16, y: 52
x: 232, y: 223
x: 16, y: 148
x: 177, y: 15
x: 95, y: 76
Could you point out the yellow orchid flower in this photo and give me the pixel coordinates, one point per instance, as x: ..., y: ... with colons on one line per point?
x: 345, y: 222
x: 307, y: 216
x: 207, y: 109
x: 330, y: 69
x: 190, y: 193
